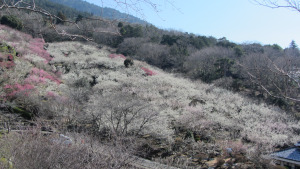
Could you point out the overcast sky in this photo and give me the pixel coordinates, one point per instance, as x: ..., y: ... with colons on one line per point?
x: 240, y: 21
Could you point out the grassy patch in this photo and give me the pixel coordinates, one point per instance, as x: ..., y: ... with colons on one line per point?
x: 5, y: 162
x: 5, y: 48
x: 24, y: 113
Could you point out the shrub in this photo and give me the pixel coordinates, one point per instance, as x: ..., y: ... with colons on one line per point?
x: 129, y: 31
x: 50, y: 94
x: 38, y: 76
x: 8, y: 64
x: 61, y: 18
x: 128, y: 62
x: 120, y: 114
x: 120, y: 24
x: 17, y: 88
x: 7, y: 61
x: 130, y: 46
x: 5, y: 48
x: 36, y: 46
x: 79, y: 18
x: 32, y: 149
x: 10, y: 58
x: 11, y: 21
x: 23, y: 112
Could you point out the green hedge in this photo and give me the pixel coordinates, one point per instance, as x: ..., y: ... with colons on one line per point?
x: 11, y: 21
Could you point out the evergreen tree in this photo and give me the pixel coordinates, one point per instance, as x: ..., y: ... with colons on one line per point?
x: 11, y: 21
x: 120, y: 25
x: 61, y: 18
x: 79, y: 18
x: 293, y: 45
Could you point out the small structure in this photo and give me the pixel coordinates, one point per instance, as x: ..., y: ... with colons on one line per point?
x: 289, y: 157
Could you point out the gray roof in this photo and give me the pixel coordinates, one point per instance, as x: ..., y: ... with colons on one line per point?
x: 289, y: 154
x: 297, y: 144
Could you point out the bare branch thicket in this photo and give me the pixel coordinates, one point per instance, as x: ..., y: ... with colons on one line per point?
x: 137, y: 6
x: 277, y: 77
x: 32, y: 149
x: 201, y: 63
x: 122, y: 114
x: 284, y: 71
x: 291, y: 4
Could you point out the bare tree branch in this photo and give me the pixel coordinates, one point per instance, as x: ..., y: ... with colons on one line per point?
x: 21, y: 5
x: 127, y: 5
x: 278, y: 72
x: 291, y: 4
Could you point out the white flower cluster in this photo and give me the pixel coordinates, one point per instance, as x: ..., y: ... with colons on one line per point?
x: 172, y: 95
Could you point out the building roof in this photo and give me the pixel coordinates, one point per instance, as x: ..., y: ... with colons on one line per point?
x: 297, y: 144
x: 289, y: 154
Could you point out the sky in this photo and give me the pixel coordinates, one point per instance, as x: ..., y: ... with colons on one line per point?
x: 240, y: 21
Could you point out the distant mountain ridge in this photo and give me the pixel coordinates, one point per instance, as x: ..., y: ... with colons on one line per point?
x: 107, y: 13
x: 54, y: 8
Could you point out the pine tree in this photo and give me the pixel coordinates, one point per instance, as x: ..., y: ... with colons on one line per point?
x: 79, y: 18
x: 293, y: 45
x: 61, y: 19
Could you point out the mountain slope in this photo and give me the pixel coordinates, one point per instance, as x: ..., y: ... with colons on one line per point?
x: 84, y: 87
x: 54, y: 8
x: 107, y: 13
x: 173, y: 96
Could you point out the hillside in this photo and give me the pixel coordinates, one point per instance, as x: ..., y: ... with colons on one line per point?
x: 55, y: 8
x: 107, y: 13
x: 217, y: 61
x: 81, y: 89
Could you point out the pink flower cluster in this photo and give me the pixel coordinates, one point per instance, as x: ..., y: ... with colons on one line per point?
x: 36, y: 46
x: 9, y: 64
x: 148, y: 71
x: 7, y: 61
x: 17, y: 88
x: 112, y: 56
x: 51, y: 94
x: 39, y: 76
x: 10, y: 57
